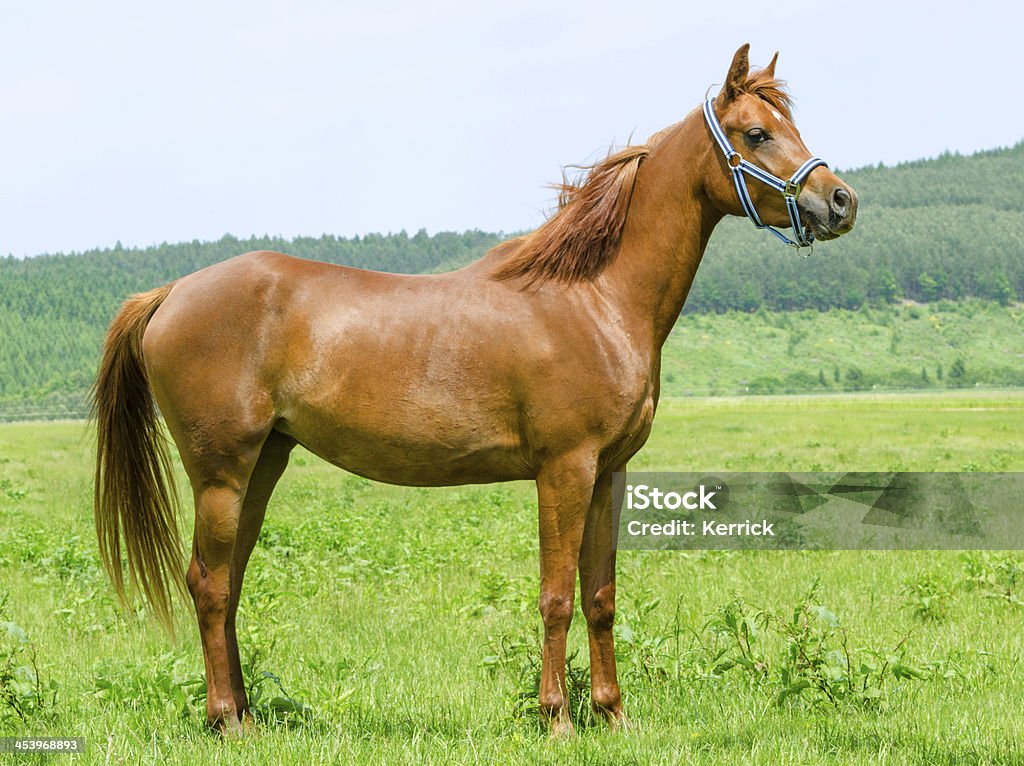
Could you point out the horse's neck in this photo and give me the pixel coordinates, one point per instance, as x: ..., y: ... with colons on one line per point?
x: 667, y: 228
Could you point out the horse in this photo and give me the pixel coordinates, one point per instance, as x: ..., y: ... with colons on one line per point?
x: 540, y: 361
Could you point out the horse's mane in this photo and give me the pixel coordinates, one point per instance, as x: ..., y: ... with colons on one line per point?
x: 583, y: 235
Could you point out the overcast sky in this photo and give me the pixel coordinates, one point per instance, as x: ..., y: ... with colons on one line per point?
x: 148, y: 122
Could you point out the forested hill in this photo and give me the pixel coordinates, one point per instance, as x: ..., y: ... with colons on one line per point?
x: 946, y: 228
x: 90, y: 286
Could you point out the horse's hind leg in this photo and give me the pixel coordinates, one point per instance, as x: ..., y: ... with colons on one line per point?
x: 218, y: 507
x: 220, y: 471
x: 271, y: 464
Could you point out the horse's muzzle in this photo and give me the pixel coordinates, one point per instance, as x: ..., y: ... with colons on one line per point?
x: 829, y: 215
x: 842, y: 212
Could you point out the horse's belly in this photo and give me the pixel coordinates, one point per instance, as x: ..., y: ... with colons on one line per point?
x: 429, y: 454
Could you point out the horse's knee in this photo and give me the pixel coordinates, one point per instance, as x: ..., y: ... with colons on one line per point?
x: 556, y: 610
x: 210, y: 589
x: 192, y: 575
x: 217, y: 517
x: 599, y: 610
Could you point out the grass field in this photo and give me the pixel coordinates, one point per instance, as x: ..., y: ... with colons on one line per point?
x: 892, y: 347
x: 392, y: 625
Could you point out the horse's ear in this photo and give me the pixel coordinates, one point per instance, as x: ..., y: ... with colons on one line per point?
x: 737, y: 73
x: 770, y: 69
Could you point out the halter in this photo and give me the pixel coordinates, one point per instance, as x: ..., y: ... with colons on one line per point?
x: 790, y: 189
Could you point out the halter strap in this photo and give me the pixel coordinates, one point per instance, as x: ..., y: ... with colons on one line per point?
x: 790, y: 189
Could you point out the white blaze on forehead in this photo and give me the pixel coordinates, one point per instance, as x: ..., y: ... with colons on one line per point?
x: 777, y: 115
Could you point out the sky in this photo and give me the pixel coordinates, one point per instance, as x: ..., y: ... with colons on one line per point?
x: 146, y: 122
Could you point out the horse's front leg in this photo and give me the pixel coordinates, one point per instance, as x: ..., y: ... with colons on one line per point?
x: 597, y: 593
x: 564, y: 490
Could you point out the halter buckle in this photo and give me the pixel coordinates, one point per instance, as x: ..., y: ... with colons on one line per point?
x: 792, y: 189
x: 735, y: 155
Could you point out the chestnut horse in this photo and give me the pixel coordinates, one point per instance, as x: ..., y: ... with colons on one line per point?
x: 539, y: 361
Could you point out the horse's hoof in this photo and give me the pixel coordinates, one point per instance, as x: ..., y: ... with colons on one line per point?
x: 248, y: 723
x: 562, y: 729
x: 229, y: 726
x: 232, y: 730
x: 620, y: 724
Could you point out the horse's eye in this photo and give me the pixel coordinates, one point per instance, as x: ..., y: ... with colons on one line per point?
x: 756, y: 136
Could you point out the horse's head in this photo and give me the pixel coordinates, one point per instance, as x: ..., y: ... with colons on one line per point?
x: 751, y: 117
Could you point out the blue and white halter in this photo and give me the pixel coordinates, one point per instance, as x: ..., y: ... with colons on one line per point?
x: 790, y: 189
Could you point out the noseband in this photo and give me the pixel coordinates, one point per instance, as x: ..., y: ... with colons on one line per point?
x: 790, y: 189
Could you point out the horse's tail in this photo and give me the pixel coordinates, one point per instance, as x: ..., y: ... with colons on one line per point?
x: 135, y: 495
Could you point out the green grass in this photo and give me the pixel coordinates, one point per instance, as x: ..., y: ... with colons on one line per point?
x: 404, y: 621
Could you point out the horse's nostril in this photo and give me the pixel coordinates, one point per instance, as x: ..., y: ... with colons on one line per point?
x: 840, y: 199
